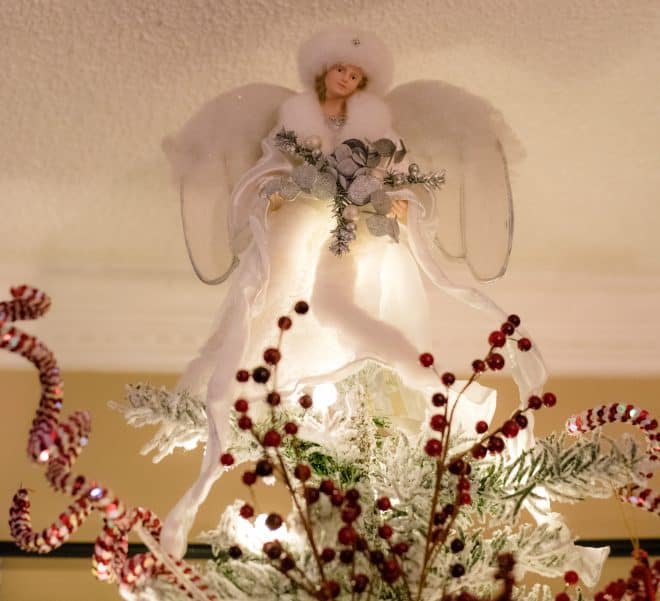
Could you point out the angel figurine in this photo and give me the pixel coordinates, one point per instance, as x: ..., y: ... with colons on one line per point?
x: 335, y: 212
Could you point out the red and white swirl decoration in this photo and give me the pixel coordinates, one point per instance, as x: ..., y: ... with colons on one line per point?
x: 641, y: 496
x: 57, y: 444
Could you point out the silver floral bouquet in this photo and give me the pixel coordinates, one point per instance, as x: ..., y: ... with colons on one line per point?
x: 357, y: 173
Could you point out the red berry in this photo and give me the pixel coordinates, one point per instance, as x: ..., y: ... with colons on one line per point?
x: 291, y: 428
x: 524, y: 344
x: 514, y: 319
x: 439, y: 399
x: 272, y: 356
x: 261, y: 375
x: 497, y: 338
x: 360, y: 583
x: 242, y: 375
x: 385, y: 531
x: 273, y: 521
x: 346, y: 555
x: 327, y: 486
x: 346, y: 535
x: 438, y: 422
x: 305, y: 401
x: 448, y: 378
x: 330, y: 589
x: 352, y: 495
x: 244, y: 422
x: 571, y: 577
x: 249, y: 478
x: 426, y: 359
x: 549, y: 399
x: 336, y: 498
x: 510, y: 429
x: 562, y: 597
x: 478, y: 366
x: 507, y: 328
x: 284, y: 323
x: 457, y: 545
x: 287, y: 564
x: 481, y: 427
x: 272, y: 549
x: 457, y: 570
x: 464, y: 498
x: 495, y: 444
x: 263, y: 468
x: 350, y: 513
x: 384, y: 504
x: 390, y: 570
x: 227, y: 459
x: 522, y: 421
x: 272, y: 438
x: 273, y: 399
x: 247, y: 511
x: 311, y: 494
x: 302, y: 472
x: 400, y: 548
x: 463, y: 483
x: 456, y: 467
x: 241, y: 405
x: 534, y: 402
x: 495, y: 361
x: 479, y: 451
x: 301, y: 307
x: 433, y: 447
x: 328, y: 554
x: 235, y: 552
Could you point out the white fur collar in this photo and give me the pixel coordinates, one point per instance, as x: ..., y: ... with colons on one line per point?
x: 367, y: 117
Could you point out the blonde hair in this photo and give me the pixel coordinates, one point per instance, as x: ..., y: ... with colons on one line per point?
x: 319, y: 84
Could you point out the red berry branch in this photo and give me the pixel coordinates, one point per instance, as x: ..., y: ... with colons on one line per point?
x: 57, y: 444
x: 386, y: 561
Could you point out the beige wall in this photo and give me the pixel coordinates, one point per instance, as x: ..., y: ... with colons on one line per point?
x: 112, y: 457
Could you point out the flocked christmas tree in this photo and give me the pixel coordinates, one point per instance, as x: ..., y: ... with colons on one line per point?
x: 383, y: 512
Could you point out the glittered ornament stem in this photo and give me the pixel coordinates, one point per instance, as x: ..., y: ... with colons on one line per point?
x: 57, y: 445
x: 640, y: 418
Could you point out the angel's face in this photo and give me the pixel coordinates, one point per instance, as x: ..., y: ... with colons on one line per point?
x: 342, y: 80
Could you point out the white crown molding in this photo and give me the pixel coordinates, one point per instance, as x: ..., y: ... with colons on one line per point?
x: 583, y: 324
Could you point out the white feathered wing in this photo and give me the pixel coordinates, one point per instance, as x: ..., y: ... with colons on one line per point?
x: 208, y: 156
x: 445, y: 127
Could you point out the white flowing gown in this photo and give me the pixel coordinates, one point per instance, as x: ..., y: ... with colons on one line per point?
x: 369, y: 304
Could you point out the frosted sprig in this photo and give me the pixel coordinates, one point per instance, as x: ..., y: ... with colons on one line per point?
x: 181, y: 416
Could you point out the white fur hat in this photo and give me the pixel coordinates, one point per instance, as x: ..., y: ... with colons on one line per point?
x: 351, y: 47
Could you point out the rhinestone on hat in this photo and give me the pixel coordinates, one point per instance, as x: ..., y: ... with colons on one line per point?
x: 356, y: 41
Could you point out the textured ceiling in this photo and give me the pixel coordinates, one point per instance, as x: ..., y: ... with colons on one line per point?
x: 90, y: 87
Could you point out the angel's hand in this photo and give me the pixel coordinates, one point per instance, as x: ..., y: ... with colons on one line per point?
x: 275, y: 201
x: 399, y: 209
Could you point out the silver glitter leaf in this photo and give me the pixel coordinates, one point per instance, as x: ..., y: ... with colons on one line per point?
x: 347, y: 167
x: 325, y: 187
x: 360, y: 156
x: 290, y: 190
x: 362, y: 188
x: 384, y: 147
x: 305, y: 175
x: 379, y: 225
x: 373, y: 159
x: 342, y: 152
x: 342, y: 181
x: 381, y: 202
